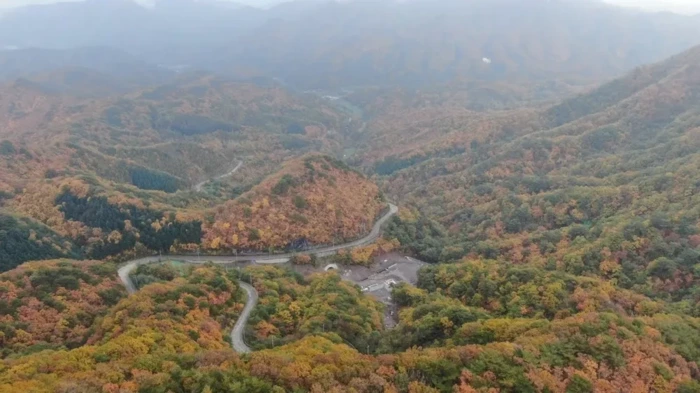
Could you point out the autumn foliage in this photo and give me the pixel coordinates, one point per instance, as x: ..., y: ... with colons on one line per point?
x: 54, y: 304
x: 455, y: 334
x: 604, y: 184
x: 564, y: 242
x: 291, y: 307
x: 312, y: 201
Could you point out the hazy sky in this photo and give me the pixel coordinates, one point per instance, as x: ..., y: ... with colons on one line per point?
x: 684, y: 6
x: 17, y: 3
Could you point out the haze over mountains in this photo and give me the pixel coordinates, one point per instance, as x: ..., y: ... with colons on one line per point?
x: 319, y: 44
x: 512, y: 188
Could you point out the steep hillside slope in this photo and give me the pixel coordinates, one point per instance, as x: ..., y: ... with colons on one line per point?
x: 609, y: 188
x: 408, y: 127
x: 311, y: 201
x: 23, y: 239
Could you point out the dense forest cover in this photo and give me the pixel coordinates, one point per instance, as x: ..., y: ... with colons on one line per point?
x: 80, y: 217
x: 147, y: 179
x: 116, y: 176
x: 146, y: 331
x: 24, y: 240
x: 165, y: 137
x: 292, y: 307
x: 562, y: 243
x: 151, y: 228
x: 608, y: 190
x: 54, y: 304
x: 482, y: 325
x: 302, y: 205
x: 306, y: 203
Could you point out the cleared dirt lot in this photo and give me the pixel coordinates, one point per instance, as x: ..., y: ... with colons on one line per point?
x: 377, y: 280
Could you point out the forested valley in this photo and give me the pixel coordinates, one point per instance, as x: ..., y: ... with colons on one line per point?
x: 543, y: 181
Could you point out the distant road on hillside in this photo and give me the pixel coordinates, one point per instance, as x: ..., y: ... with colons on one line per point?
x: 198, y: 187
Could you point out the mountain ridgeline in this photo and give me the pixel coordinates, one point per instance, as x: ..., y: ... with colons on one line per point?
x: 601, y: 173
x: 324, y: 45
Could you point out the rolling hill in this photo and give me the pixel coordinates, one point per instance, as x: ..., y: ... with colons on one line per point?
x: 110, y: 175
x: 304, y: 204
x: 307, y: 202
x: 191, y: 129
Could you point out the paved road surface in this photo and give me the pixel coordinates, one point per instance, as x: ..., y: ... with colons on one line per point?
x: 237, y: 340
x: 264, y: 259
x: 198, y: 187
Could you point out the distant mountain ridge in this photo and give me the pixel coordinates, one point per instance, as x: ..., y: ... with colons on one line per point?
x: 359, y: 43
x: 101, y: 23
x: 420, y: 42
x: 125, y: 71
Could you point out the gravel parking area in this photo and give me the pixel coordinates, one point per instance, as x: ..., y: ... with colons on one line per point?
x: 378, y: 279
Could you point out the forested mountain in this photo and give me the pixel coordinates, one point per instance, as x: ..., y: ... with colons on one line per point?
x: 305, y: 203
x: 191, y: 129
x: 115, y: 175
x: 602, y: 184
x: 179, y: 24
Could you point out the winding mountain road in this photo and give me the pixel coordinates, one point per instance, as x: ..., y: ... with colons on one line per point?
x: 237, y: 340
x: 238, y: 330
x: 198, y: 187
